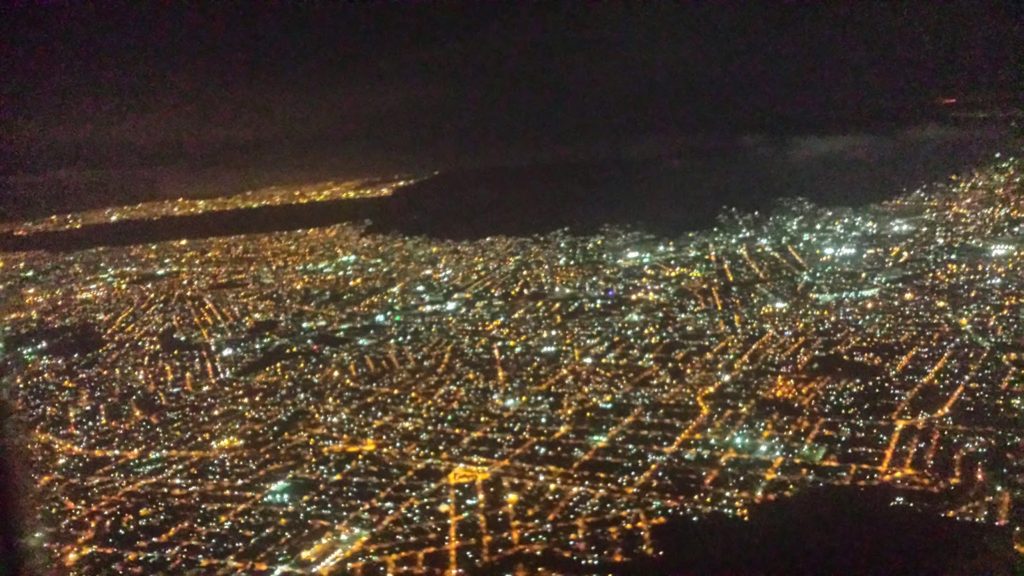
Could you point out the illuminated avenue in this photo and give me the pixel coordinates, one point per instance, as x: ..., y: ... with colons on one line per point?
x: 337, y: 401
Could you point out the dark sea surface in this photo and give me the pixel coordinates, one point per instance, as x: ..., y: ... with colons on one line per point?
x: 667, y: 193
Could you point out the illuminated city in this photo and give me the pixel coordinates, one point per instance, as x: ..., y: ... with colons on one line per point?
x: 337, y: 400
x: 272, y: 196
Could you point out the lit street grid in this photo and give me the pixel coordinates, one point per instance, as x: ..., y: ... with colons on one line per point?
x: 335, y: 400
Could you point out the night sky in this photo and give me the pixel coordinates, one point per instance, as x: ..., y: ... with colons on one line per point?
x: 115, y: 87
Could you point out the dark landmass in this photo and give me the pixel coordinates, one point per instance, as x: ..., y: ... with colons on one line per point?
x: 277, y: 354
x: 834, y: 530
x: 59, y: 341
x: 15, y: 500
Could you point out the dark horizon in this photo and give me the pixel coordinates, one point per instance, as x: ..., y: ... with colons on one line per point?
x: 384, y: 88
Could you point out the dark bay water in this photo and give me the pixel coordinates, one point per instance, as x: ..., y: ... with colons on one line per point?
x: 668, y: 194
